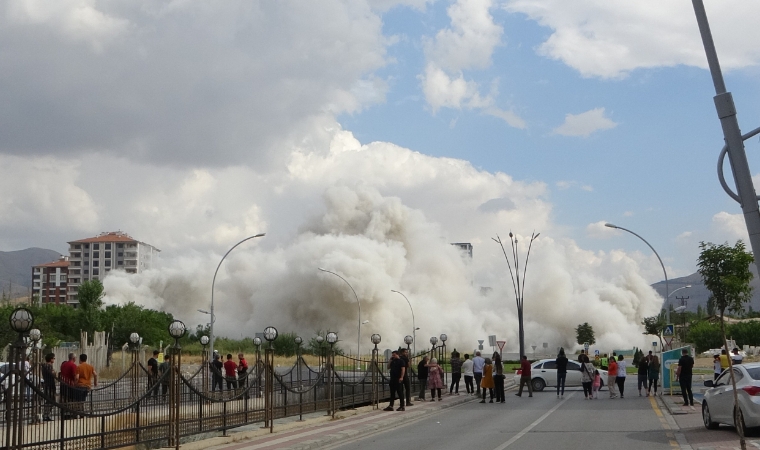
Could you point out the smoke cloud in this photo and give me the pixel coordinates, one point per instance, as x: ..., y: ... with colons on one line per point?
x: 382, y: 217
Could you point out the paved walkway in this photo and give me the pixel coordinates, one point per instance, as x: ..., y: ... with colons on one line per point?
x: 319, y: 430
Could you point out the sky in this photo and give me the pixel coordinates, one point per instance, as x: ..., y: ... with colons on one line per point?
x: 367, y: 135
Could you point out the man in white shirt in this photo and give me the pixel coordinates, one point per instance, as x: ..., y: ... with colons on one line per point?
x: 736, y: 358
x: 468, y: 374
x: 477, y: 369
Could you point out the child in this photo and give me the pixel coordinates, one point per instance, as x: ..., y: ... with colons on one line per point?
x: 597, y: 384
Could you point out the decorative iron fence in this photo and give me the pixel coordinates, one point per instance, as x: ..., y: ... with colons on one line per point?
x: 158, y: 411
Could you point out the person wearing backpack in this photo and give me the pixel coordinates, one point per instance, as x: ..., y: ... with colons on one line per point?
x: 643, y: 373
x: 587, y: 377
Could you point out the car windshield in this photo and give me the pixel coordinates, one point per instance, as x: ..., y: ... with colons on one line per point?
x: 754, y: 373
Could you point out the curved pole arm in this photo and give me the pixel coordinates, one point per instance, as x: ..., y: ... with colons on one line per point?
x: 358, y: 303
x: 213, y: 282
x: 414, y: 325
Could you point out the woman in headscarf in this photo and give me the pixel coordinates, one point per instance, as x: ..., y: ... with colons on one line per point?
x: 498, y: 377
x: 487, y: 381
x: 435, y: 379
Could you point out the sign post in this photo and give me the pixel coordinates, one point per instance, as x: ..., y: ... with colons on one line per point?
x: 480, y: 344
x: 501, y: 346
x: 668, y: 333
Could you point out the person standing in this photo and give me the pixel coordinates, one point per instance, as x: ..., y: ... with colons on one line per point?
x: 404, y: 355
x: 242, y: 373
x: 597, y: 383
x: 216, y: 373
x: 736, y: 358
x: 477, y: 369
x: 435, y: 379
x: 654, y: 373
x: 723, y: 359
x: 612, y: 372
x: 164, y: 370
x: 487, y: 381
x: 580, y: 357
x: 587, y: 378
x: 498, y: 377
x: 422, y: 377
x: 153, y: 375
x: 684, y: 372
x: 525, y: 376
x: 396, y: 381
x: 643, y: 374
x: 603, y: 361
x: 48, y: 384
x: 621, y: 374
x: 456, y: 372
x: 561, y: 362
x: 468, y: 374
x: 86, y: 379
x: 230, y: 372
x: 67, y: 376
x: 717, y: 369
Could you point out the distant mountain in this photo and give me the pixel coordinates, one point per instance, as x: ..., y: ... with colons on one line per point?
x: 16, y: 268
x: 698, y: 293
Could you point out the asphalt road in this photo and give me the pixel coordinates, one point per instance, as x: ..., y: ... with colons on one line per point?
x: 541, y: 422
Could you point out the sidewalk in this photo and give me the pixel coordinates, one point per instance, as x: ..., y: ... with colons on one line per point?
x: 693, y: 430
x: 318, y: 430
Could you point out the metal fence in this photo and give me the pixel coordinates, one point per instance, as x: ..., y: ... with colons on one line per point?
x: 158, y: 411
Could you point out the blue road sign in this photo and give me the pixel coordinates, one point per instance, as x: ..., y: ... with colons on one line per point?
x: 669, y: 330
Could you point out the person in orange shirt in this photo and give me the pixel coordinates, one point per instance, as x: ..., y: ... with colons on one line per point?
x: 612, y: 371
x: 85, y: 378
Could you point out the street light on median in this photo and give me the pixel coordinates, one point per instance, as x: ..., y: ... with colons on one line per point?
x: 358, y: 303
x: 414, y: 326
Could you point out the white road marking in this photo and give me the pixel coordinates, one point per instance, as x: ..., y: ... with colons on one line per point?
x: 525, y: 430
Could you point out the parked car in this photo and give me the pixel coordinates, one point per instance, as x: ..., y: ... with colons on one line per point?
x: 718, y: 405
x: 544, y: 373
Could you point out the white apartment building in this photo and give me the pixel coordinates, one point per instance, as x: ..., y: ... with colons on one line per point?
x: 94, y: 257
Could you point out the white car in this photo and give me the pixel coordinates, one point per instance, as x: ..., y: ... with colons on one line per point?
x: 718, y: 405
x: 543, y: 373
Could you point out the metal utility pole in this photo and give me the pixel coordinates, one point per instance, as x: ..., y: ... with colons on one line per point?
x: 724, y: 105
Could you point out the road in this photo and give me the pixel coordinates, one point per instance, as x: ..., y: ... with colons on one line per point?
x: 541, y: 422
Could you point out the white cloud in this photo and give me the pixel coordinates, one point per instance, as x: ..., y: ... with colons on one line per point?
x: 728, y: 228
x: 686, y: 235
x: 610, y: 38
x: 597, y: 230
x: 584, y: 124
x: 564, y: 185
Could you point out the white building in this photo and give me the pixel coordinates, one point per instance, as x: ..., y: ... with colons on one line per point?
x: 94, y: 257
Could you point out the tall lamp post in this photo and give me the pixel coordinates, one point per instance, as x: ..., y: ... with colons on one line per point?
x: 667, y: 287
x: 414, y: 326
x: 213, y: 282
x: 177, y: 329
x: 21, y: 321
x: 519, y: 288
x: 358, y: 303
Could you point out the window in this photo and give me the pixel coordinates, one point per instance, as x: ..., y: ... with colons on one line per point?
x: 86, y: 255
x: 35, y: 277
x: 51, y: 278
x: 96, y: 254
x: 723, y: 379
x: 62, y: 278
x: 550, y: 365
x: 86, y: 245
x: 107, y: 255
x: 95, y: 272
x: 537, y: 366
x: 120, y: 254
x: 86, y: 271
x: 754, y: 373
x: 120, y: 263
x: 95, y: 264
x: 95, y: 246
x: 76, y: 263
x: 119, y: 245
x: 86, y: 263
x: 78, y: 246
x: 108, y: 246
x: 572, y: 365
x: 108, y: 263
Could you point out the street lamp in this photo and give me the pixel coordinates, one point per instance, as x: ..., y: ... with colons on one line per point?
x: 270, y: 334
x: 358, y: 340
x: 408, y: 340
x: 213, y: 282
x: 667, y: 288
x: 414, y: 327
x: 332, y: 338
x: 433, y: 340
x: 518, y: 288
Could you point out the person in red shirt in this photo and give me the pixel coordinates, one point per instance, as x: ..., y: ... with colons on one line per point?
x: 67, y: 377
x: 230, y: 372
x: 242, y: 371
x: 525, y: 376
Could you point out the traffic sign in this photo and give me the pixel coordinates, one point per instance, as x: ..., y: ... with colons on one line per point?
x: 492, y: 340
x: 501, y: 344
x: 669, y: 330
x: 596, y: 352
x: 585, y: 345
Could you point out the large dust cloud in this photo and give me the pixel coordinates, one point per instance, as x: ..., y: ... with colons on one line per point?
x: 383, y: 217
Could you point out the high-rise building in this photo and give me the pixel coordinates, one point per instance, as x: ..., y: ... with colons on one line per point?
x: 93, y: 258
x: 466, y: 247
x: 49, y: 281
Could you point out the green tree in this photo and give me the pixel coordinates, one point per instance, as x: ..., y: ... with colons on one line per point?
x: 725, y: 273
x: 653, y: 326
x: 90, y: 294
x: 585, y: 333
x: 705, y: 335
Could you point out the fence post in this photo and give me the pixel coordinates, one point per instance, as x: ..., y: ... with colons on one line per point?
x: 375, y: 392
x: 269, y: 388
x: 176, y: 330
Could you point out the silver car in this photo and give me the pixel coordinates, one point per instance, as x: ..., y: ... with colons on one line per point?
x: 544, y: 373
x: 718, y: 406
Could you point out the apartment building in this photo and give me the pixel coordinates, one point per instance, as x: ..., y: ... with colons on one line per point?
x: 49, y: 281
x: 93, y: 258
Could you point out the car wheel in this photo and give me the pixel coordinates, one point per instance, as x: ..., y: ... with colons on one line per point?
x: 601, y: 384
x: 707, y: 419
x: 538, y: 384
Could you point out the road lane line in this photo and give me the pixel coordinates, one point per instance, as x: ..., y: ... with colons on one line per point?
x: 527, y: 429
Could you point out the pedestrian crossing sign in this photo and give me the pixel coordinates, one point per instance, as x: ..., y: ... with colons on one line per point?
x: 669, y: 330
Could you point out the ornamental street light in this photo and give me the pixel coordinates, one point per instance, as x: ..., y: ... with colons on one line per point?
x: 667, y: 288
x: 358, y: 303
x: 408, y: 340
x: 213, y: 282
x: 270, y: 334
x: 518, y: 288
x: 414, y: 327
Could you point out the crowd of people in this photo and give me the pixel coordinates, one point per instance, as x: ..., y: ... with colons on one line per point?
x: 76, y: 382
